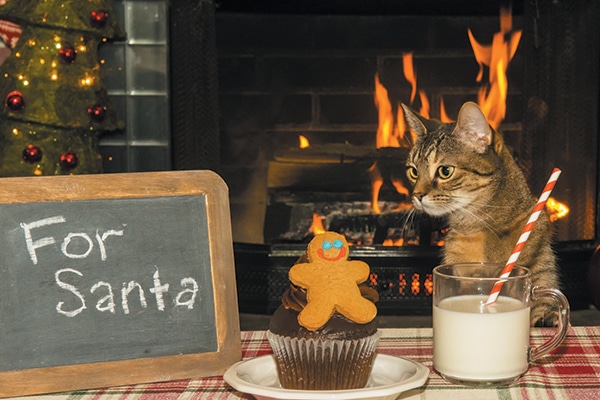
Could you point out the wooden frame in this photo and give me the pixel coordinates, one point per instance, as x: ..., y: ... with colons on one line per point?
x: 143, y: 370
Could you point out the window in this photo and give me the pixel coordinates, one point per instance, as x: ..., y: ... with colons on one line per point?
x: 136, y: 74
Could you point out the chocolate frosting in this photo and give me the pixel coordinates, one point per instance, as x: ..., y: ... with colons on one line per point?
x: 285, y: 319
x: 294, y: 297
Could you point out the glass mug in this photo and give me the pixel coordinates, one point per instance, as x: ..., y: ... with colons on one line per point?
x: 475, y: 344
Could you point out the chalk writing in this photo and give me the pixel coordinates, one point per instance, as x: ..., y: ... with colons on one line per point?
x: 107, y: 303
x: 33, y: 245
x: 185, y: 298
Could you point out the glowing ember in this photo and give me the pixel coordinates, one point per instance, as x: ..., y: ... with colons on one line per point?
x: 392, y: 242
x: 373, y: 279
x: 415, y: 284
x: 402, y: 284
x: 304, y: 143
x: 428, y: 284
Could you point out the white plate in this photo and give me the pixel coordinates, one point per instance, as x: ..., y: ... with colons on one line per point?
x: 390, y: 376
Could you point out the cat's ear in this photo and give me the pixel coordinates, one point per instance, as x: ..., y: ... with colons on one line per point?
x: 473, y: 128
x: 417, y: 123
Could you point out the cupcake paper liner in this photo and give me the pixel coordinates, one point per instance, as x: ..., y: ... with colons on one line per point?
x: 323, y: 364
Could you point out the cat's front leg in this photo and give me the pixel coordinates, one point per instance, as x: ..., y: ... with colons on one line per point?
x: 544, y: 314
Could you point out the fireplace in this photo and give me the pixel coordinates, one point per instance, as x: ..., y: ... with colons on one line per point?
x: 299, y: 123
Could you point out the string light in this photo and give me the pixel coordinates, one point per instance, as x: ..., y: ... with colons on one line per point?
x: 53, y: 57
x: 87, y: 81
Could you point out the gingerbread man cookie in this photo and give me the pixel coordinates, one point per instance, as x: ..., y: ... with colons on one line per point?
x: 331, y: 283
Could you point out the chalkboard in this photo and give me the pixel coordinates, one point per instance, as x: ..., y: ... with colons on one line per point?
x: 115, y: 279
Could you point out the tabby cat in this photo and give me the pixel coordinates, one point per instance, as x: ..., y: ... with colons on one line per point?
x: 464, y: 172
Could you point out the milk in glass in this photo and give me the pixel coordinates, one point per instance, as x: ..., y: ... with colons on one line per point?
x: 474, y: 342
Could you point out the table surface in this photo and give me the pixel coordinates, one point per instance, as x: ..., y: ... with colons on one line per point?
x: 571, y: 372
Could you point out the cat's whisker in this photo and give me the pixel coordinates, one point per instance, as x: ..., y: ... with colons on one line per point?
x: 480, y: 207
x: 483, y: 222
x: 480, y: 204
x: 408, y: 221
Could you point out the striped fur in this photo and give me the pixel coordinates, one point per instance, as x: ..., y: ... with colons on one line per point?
x: 463, y: 172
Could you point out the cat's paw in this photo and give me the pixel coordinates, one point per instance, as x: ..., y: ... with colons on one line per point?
x: 543, y: 316
x: 545, y: 321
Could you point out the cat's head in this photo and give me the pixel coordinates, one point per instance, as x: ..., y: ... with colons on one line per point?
x: 452, y: 166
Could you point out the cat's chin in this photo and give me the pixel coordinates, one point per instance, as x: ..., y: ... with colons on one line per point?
x: 433, y: 211
x: 436, y: 213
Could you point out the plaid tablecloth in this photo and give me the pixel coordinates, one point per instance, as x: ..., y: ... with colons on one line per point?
x: 570, y: 372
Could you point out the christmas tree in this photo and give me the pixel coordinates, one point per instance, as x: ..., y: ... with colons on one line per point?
x: 55, y: 105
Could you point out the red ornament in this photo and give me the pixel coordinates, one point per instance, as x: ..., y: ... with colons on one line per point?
x: 15, y: 101
x: 68, y: 160
x: 32, y: 154
x: 97, y: 112
x: 98, y: 18
x: 67, y: 53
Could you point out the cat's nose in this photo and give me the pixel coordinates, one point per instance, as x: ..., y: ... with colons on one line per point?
x: 418, y: 195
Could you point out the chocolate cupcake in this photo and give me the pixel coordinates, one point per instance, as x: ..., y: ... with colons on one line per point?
x: 324, y: 334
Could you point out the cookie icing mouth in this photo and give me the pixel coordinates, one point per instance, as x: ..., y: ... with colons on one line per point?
x: 341, y: 254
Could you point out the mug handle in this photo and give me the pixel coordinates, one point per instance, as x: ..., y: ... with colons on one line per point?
x: 563, y: 320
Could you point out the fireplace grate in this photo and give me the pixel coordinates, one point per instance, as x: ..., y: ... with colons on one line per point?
x: 401, y: 275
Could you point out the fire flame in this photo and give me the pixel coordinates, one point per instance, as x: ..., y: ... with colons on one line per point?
x: 317, y: 225
x: 388, y: 134
x: 497, y: 56
x: 424, y: 111
x: 491, y: 97
x: 411, y: 77
x: 304, y: 143
x: 443, y: 114
x: 556, y: 209
x: 376, y: 184
x: 391, y: 131
x: 409, y: 74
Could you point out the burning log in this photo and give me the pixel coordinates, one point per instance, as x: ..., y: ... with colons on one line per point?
x: 337, y: 168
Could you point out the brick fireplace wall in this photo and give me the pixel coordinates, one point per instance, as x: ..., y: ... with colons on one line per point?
x: 284, y: 75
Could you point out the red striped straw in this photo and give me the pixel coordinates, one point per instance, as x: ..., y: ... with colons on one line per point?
x: 512, y: 260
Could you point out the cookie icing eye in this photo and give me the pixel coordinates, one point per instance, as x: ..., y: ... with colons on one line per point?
x: 326, y: 245
x: 338, y: 244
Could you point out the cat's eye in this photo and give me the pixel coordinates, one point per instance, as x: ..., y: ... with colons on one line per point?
x: 445, y: 171
x: 412, y: 173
